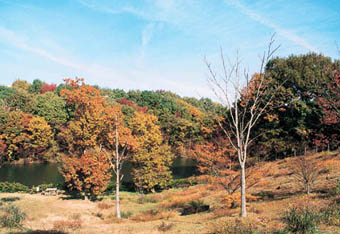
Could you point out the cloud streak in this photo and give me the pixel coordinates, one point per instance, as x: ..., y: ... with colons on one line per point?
x: 12, y: 38
x: 94, y: 71
x: 264, y: 21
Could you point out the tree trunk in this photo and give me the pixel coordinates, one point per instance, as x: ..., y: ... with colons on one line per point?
x: 243, y: 192
x: 117, y: 172
x: 308, y: 188
x: 117, y: 195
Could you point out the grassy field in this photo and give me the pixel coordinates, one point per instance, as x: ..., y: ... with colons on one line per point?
x: 161, y: 212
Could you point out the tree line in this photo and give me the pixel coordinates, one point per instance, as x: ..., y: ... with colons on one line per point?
x: 92, y: 131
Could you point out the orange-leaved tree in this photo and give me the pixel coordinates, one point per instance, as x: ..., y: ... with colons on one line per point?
x: 80, y: 139
x: 217, y: 161
x: 153, y: 158
x: 24, y: 136
x: 89, y: 173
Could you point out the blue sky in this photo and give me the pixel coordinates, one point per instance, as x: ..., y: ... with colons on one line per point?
x: 155, y: 44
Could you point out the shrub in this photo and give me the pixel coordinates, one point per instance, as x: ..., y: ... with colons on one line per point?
x: 331, y: 215
x: 125, y: 215
x: 234, y: 200
x: 151, y: 215
x: 183, y: 182
x: 222, y: 212
x: 301, y: 220
x: 264, y: 194
x: 336, y: 190
x: 146, y: 199
x: 195, y: 207
x: 165, y: 227
x: 12, y: 217
x: 10, y: 199
x: 234, y: 228
x: 43, y: 232
x: 181, y: 200
x: 99, y: 215
x: 104, y: 206
x: 112, y: 219
x: 306, y: 172
x: 9, y: 187
x: 64, y: 225
x: 196, y: 204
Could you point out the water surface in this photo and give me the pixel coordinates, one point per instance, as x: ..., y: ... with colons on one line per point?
x: 35, y: 174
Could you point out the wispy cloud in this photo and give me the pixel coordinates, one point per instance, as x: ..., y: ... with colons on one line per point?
x: 145, y: 39
x: 97, y: 7
x: 92, y: 71
x: 12, y: 38
x: 264, y: 21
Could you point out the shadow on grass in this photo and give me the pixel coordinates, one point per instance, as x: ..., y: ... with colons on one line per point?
x: 276, y: 196
x: 40, y: 232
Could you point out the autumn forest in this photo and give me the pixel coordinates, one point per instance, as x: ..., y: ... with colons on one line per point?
x: 287, y: 111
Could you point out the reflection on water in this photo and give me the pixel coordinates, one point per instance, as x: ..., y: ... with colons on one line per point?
x: 35, y: 174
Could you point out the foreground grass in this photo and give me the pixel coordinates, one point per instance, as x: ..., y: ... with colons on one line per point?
x: 161, y: 212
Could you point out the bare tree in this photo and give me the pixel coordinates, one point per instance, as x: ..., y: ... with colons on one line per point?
x: 306, y: 172
x: 118, y: 143
x: 229, y: 87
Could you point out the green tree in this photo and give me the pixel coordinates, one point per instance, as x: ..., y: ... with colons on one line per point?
x: 293, y: 119
x: 36, y: 86
x: 52, y: 107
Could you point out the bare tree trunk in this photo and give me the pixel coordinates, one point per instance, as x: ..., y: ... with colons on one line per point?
x: 117, y: 196
x: 308, y: 188
x: 243, y: 192
x: 117, y: 173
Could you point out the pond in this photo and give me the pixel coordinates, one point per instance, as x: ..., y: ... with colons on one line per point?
x: 35, y: 174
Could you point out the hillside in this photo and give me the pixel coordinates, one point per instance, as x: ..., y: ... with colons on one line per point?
x: 160, y: 212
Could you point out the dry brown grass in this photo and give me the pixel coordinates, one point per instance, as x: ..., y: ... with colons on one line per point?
x: 104, y: 206
x: 152, y: 215
x: 65, y: 225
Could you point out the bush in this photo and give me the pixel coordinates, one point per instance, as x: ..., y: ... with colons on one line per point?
x: 124, y: 186
x: 331, y: 215
x: 264, y: 194
x: 104, y: 206
x: 64, y: 225
x: 10, y: 199
x: 43, y: 232
x: 234, y: 200
x: 9, y: 187
x: 183, y: 182
x: 13, y: 217
x: 151, y: 215
x: 235, y: 228
x: 125, y: 215
x: 336, y: 190
x: 195, y: 207
x: 301, y: 220
x: 146, y: 199
x: 165, y: 227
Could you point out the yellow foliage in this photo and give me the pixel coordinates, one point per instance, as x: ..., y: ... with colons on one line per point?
x: 194, y: 112
x: 234, y: 200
